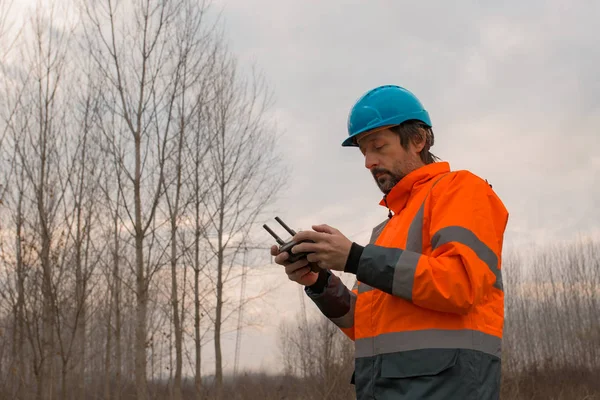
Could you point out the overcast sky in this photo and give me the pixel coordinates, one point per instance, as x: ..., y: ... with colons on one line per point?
x: 512, y: 90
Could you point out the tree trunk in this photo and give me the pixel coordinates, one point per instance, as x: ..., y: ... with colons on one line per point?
x: 219, y: 309
x: 47, y: 381
x: 63, y: 380
x: 197, y: 315
x: 198, y: 372
x: 20, y: 322
x: 140, y: 283
x: 80, y: 285
x: 117, y: 305
x: 176, y: 322
x: 46, y: 388
x: 107, y: 355
x: 174, y: 290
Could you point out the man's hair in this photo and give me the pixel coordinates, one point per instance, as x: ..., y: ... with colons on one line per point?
x: 417, y: 131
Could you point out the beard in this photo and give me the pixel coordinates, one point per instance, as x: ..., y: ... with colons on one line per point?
x: 386, y: 179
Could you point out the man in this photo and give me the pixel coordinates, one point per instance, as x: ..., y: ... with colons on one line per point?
x: 427, y: 310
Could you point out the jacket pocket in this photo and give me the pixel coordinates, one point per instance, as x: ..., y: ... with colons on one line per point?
x: 410, y: 364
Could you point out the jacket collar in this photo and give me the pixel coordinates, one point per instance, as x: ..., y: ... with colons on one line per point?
x: 397, y: 198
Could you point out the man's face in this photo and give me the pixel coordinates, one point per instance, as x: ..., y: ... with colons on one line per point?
x: 387, y: 160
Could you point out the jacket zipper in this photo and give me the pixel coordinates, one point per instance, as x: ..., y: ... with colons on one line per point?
x: 386, y: 204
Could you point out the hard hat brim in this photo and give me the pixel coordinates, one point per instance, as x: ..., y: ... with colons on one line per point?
x: 353, y: 140
x: 422, y: 116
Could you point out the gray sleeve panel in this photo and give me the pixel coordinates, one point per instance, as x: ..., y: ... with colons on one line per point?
x: 466, y: 237
x: 335, y: 301
x: 391, y: 270
x: 377, y: 267
x: 347, y: 321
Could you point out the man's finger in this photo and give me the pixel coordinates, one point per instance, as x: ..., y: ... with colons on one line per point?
x: 274, y: 250
x: 293, y: 267
x: 299, y: 273
x: 324, y: 228
x: 310, y: 235
x: 306, y: 247
x: 282, y: 257
x: 313, y: 257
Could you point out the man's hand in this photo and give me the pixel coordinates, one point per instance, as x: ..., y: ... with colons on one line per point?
x: 298, y: 271
x: 330, y: 249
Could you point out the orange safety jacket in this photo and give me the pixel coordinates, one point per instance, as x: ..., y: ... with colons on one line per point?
x: 427, y: 310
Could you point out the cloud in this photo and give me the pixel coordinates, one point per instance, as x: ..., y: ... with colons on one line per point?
x: 512, y: 89
x: 511, y: 86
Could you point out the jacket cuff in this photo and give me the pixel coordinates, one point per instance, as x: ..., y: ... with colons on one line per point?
x: 321, y: 283
x: 353, y: 258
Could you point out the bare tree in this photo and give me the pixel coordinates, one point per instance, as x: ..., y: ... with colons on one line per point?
x: 194, y: 60
x: 80, y: 220
x: 197, y: 184
x: 13, y: 286
x: 550, y: 335
x: 13, y: 295
x: 243, y: 165
x: 325, y: 365
x: 199, y: 139
x: 134, y: 57
x: 9, y: 89
x: 38, y: 143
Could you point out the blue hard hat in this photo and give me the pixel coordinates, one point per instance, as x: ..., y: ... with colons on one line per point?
x: 387, y: 105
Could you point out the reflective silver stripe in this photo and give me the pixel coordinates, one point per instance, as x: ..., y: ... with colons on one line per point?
x: 363, y: 287
x: 377, y: 231
x: 347, y: 321
x: 414, y: 241
x: 407, y: 264
x: 404, y: 274
x: 466, y: 237
x: 428, y: 339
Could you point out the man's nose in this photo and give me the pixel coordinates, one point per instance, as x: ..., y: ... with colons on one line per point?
x: 370, y: 160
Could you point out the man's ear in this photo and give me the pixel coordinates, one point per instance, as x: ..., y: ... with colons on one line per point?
x: 418, y: 143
